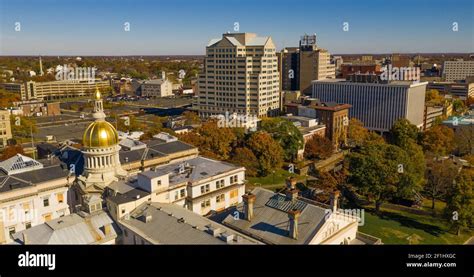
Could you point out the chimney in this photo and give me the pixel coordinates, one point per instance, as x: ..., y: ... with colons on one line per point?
x: 293, y: 215
x: 291, y: 183
x: 334, y: 198
x: 25, y: 238
x: 163, y: 75
x: 107, y: 229
x: 248, y: 199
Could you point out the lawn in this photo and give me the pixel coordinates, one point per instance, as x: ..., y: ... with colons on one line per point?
x: 401, y: 227
x: 272, y: 181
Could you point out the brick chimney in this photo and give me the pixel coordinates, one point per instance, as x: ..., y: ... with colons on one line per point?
x: 334, y: 200
x: 293, y: 216
x: 291, y: 191
x: 248, y: 199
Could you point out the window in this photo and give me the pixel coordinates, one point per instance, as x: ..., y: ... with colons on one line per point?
x: 233, y: 179
x: 45, y: 202
x: 220, y: 198
x: 60, y: 197
x: 123, y: 211
x: 182, y: 193
x: 158, y: 183
x: 28, y: 225
x: 220, y: 184
x: 176, y: 195
x: 234, y: 193
x: 206, y: 203
x: 205, y: 188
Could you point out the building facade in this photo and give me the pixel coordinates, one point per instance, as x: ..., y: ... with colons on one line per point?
x: 377, y: 105
x: 157, y: 88
x: 5, y: 128
x: 32, y: 193
x: 52, y: 90
x: 457, y: 70
x: 240, y: 76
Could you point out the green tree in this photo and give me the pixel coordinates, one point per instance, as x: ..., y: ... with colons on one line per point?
x: 459, y: 209
x: 22, y: 127
x: 383, y: 171
x: 268, y: 151
x: 287, y: 135
x: 402, y: 132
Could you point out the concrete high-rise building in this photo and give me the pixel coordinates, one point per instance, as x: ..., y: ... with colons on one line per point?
x: 377, y: 105
x: 289, y: 67
x: 5, y: 128
x: 315, y: 63
x: 457, y: 70
x: 240, y: 76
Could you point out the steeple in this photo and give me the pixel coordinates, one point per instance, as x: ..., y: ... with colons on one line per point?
x: 41, y: 66
x: 98, y: 114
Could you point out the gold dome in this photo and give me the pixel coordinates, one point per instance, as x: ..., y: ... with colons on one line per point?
x: 100, y: 134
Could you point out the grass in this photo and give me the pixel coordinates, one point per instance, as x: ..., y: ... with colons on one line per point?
x: 401, y: 227
x: 272, y: 181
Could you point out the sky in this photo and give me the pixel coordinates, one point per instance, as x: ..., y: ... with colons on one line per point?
x: 184, y: 27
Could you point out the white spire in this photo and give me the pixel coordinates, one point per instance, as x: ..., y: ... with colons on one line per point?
x: 98, y: 106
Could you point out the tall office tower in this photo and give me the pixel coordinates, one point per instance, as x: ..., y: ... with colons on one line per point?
x: 240, y: 76
x: 289, y: 67
x: 315, y: 63
x: 457, y: 70
x: 378, y: 105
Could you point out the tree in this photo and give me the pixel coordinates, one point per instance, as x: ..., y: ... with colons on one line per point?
x: 213, y: 141
x: 432, y: 96
x: 269, y: 153
x: 383, y: 171
x: 459, y: 107
x: 357, y: 133
x: 402, y: 132
x: 327, y: 183
x: 318, y: 148
x: 11, y: 151
x: 7, y: 98
x: 128, y: 123
x: 440, y: 175
x: 243, y: 156
x: 459, y: 209
x: 287, y: 135
x: 22, y: 127
x: 191, y: 118
x: 463, y: 139
x: 438, y: 140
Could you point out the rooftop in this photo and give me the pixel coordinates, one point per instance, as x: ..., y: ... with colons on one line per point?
x: 162, y: 223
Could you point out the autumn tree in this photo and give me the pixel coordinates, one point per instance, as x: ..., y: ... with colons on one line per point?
x: 7, y: 98
x: 212, y: 141
x: 243, y: 156
x: 286, y: 134
x: 440, y: 174
x: 463, y: 139
x: 318, y: 148
x: 459, y: 209
x: 128, y: 123
x: 438, y: 140
x: 269, y: 153
x: 357, y: 133
x: 11, y: 151
x: 327, y: 184
x: 191, y: 118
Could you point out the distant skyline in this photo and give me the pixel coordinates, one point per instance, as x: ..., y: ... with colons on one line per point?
x: 184, y: 27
